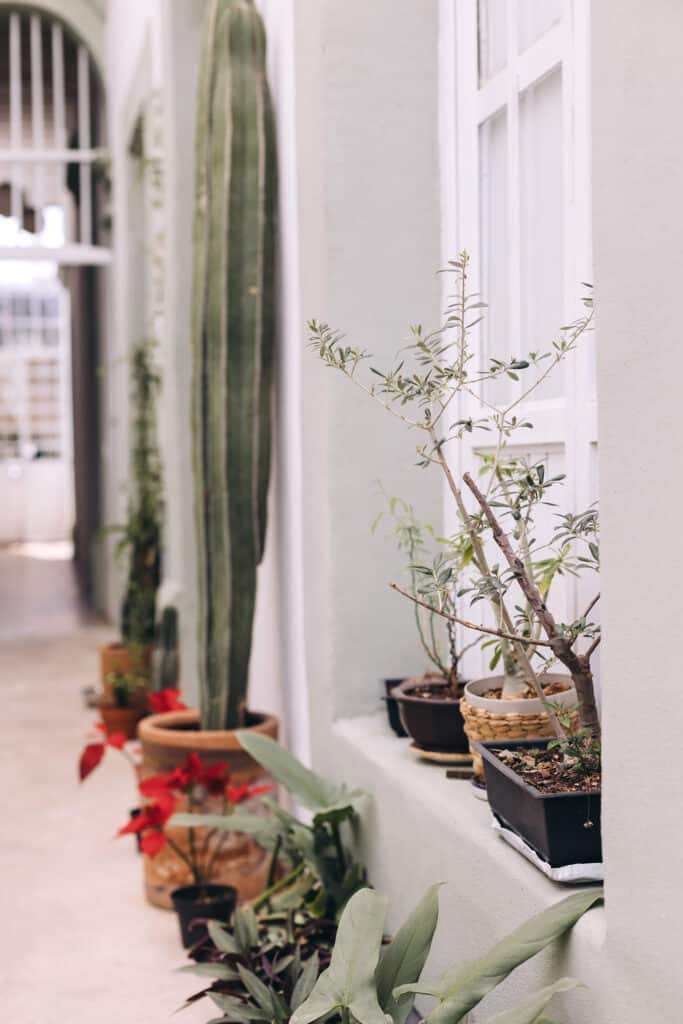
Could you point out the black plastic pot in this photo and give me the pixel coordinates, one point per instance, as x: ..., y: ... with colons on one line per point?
x: 563, y: 828
x: 197, y: 904
x: 393, y: 713
x: 433, y: 723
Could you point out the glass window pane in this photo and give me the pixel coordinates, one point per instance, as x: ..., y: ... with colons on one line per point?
x: 492, y: 19
x: 494, y: 228
x: 541, y: 220
x: 536, y: 17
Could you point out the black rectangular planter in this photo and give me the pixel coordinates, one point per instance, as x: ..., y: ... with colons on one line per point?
x: 563, y: 828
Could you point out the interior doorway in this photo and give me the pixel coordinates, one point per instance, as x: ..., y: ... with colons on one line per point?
x: 54, y: 233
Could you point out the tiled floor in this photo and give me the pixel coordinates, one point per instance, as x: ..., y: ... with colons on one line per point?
x: 78, y: 942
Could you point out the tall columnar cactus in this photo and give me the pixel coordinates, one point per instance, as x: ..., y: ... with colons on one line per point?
x: 233, y: 332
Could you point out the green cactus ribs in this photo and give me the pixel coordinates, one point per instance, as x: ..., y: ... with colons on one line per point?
x: 233, y: 333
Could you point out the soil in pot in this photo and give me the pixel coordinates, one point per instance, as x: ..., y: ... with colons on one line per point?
x: 393, y: 712
x: 197, y: 904
x: 488, y: 717
x: 563, y: 827
x: 548, y: 772
x: 166, y: 740
x: 431, y: 714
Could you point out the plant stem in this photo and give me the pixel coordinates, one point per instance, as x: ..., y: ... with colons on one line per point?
x: 278, y: 886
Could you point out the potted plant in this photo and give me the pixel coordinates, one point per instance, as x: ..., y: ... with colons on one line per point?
x: 125, y: 664
x: 428, y: 705
x: 284, y: 937
x: 191, y: 855
x: 429, y: 393
x: 233, y: 324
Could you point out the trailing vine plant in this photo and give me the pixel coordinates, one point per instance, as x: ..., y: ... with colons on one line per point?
x: 429, y: 388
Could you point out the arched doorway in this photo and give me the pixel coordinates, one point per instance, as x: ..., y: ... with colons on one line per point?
x: 54, y: 235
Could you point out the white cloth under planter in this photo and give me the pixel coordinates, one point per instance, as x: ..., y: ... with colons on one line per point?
x: 570, y: 874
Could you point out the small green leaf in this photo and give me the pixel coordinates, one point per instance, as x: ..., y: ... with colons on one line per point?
x: 221, y: 938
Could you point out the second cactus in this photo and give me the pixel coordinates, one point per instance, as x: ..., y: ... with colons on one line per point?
x: 233, y: 335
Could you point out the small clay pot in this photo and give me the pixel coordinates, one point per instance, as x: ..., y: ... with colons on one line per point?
x: 196, y: 904
x: 393, y: 713
x: 115, y: 659
x: 125, y: 720
x: 433, y: 721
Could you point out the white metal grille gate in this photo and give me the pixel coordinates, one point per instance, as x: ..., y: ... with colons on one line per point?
x: 53, y: 196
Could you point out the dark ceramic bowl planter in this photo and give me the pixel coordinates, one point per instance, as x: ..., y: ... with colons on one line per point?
x: 393, y: 713
x: 563, y: 828
x: 196, y: 904
x: 432, y: 720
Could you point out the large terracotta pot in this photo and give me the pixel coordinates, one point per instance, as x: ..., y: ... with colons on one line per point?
x: 166, y: 741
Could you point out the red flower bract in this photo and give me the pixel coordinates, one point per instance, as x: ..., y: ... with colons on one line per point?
x: 237, y: 794
x: 166, y: 700
x: 152, y: 843
x: 89, y: 760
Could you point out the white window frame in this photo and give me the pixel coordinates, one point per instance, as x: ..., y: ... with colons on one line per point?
x: 568, y: 422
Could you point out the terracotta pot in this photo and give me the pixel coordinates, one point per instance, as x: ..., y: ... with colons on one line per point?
x: 166, y: 741
x: 115, y: 658
x: 433, y: 722
x: 123, y: 720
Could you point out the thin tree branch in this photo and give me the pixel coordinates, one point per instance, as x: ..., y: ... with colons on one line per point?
x: 593, y: 647
x: 591, y: 606
x: 513, y: 637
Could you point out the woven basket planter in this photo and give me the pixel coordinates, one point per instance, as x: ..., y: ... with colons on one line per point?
x: 485, y: 722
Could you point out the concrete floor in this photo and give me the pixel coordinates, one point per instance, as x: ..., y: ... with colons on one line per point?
x: 77, y: 941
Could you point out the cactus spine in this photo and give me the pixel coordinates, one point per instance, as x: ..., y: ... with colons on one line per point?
x: 233, y: 332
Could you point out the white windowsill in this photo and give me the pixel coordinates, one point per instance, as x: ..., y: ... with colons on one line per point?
x: 423, y: 827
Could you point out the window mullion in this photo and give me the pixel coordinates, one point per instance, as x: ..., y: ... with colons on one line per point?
x: 514, y: 226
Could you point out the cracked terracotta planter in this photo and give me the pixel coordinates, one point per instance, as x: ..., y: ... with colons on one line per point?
x: 166, y: 741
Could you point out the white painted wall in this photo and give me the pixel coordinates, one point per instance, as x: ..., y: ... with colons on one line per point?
x: 638, y: 227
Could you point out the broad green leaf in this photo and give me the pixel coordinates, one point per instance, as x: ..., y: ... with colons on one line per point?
x: 305, y: 981
x: 264, y: 830
x: 530, y: 1011
x: 222, y: 939
x: 462, y: 987
x: 221, y: 972
x: 403, y: 959
x: 310, y: 789
x: 348, y: 984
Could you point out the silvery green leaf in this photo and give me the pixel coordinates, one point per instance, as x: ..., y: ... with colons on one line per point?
x: 221, y: 972
x: 463, y: 986
x: 311, y: 790
x: 222, y: 939
x: 403, y: 959
x: 305, y: 982
x: 348, y: 984
x: 530, y: 1010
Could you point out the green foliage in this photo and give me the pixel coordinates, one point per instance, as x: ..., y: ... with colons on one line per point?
x: 462, y: 987
x: 434, y: 379
x: 532, y: 1009
x: 233, y: 333
x: 402, y: 961
x: 165, y: 659
x: 139, y: 541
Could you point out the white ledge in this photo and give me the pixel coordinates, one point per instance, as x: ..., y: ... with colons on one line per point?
x: 422, y: 827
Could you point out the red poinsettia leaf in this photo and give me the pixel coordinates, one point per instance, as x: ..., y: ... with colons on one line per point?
x: 152, y: 843
x: 166, y: 700
x: 238, y: 794
x: 193, y: 767
x: 137, y: 824
x: 89, y: 760
x: 101, y: 726
x: 117, y: 740
x: 155, y: 784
